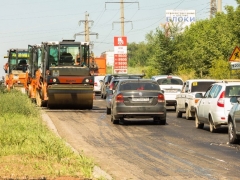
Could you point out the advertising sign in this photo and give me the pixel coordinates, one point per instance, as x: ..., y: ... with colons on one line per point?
x: 182, y: 18
x: 120, y: 55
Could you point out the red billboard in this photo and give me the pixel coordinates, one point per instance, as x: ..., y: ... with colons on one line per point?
x: 120, y: 55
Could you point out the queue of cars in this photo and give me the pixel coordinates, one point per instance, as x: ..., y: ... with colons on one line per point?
x: 132, y: 96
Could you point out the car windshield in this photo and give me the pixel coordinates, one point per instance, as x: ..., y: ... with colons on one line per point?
x: 200, y: 86
x: 171, y: 81
x: 126, y: 86
x: 233, y: 90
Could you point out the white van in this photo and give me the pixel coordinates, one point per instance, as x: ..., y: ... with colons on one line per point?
x: 171, y: 86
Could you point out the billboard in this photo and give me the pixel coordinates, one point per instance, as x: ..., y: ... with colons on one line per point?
x: 120, y: 55
x: 181, y: 18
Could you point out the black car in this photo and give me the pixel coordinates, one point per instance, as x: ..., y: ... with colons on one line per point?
x: 234, y: 121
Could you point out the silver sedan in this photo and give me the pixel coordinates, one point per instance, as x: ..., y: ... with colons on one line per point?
x: 138, y: 98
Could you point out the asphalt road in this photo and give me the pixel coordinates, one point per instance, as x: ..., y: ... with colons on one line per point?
x: 141, y: 150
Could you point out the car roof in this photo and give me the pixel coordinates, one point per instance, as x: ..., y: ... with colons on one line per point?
x: 165, y: 76
x: 202, y: 80
x: 138, y: 80
x: 126, y: 75
x: 228, y: 83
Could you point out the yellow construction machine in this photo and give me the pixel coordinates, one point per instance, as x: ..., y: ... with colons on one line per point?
x: 64, y: 79
x: 15, y: 68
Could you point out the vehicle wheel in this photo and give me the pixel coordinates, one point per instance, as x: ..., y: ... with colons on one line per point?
x: 114, y: 121
x: 162, y: 122
x: 212, y: 128
x: 44, y: 103
x: 156, y: 120
x: 232, y: 133
x: 101, y: 96
x: 121, y: 120
x: 178, y: 113
x: 187, y: 114
x: 108, y: 110
x: 197, y: 123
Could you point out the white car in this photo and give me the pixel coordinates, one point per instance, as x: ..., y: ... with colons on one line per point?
x: 213, y: 108
x: 98, y: 80
x: 171, y: 86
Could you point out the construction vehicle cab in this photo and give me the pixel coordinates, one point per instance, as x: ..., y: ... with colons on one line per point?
x: 15, y: 68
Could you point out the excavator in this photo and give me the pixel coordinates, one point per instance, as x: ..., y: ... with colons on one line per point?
x: 63, y: 78
x: 16, y: 68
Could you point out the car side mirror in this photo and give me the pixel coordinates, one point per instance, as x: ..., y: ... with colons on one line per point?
x: 198, y: 95
x: 235, y: 99
x: 162, y: 91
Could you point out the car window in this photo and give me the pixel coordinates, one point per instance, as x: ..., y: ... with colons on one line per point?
x: 172, y: 81
x: 233, y: 90
x: 217, y: 91
x: 207, y: 92
x: 125, y: 86
x: 186, y: 87
x: 115, y: 83
x: 200, y: 86
x: 212, y: 91
x: 106, y: 79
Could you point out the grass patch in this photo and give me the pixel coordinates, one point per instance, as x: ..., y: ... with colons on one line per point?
x: 28, y: 148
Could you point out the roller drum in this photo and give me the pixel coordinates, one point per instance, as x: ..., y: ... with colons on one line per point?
x: 70, y: 96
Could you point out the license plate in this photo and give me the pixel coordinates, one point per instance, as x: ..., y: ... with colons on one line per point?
x: 140, y: 99
x: 171, y: 91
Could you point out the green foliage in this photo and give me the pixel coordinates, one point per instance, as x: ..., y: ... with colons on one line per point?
x: 186, y: 74
x: 220, y: 69
x: 137, y: 54
x: 24, y: 136
x: 194, y: 52
x: 15, y: 102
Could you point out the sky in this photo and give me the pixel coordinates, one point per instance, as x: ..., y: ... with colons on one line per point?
x: 29, y: 22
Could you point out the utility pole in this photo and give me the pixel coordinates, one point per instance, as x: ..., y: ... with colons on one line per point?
x: 86, y: 31
x: 219, y: 6
x: 213, y: 8
x: 122, y: 15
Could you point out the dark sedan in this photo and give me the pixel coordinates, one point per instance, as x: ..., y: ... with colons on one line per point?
x: 138, y: 98
x: 234, y: 121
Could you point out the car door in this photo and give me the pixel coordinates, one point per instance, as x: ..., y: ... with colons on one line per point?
x: 201, y: 104
x: 209, y: 102
x: 237, y: 117
x: 180, y: 98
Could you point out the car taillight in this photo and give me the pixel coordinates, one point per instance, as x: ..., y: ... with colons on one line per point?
x: 161, y: 98
x: 220, y: 101
x: 95, y: 84
x: 119, y: 98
